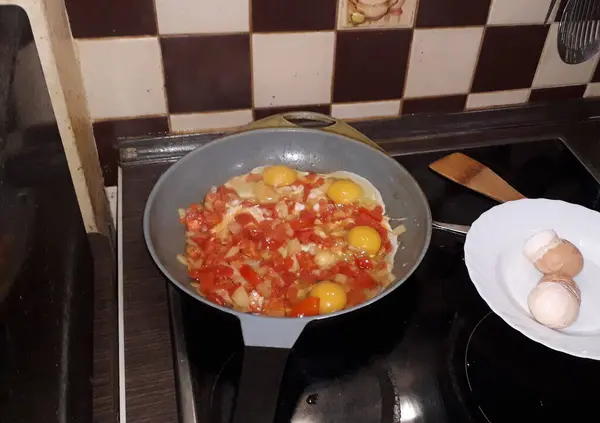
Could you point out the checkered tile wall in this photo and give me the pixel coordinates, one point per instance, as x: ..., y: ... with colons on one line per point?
x: 158, y: 66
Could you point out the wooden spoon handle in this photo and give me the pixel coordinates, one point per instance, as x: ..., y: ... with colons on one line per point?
x: 472, y: 174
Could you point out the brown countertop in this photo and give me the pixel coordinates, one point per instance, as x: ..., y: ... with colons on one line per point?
x: 149, y: 366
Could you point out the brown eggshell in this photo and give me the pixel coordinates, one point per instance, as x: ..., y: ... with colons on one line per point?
x: 565, y: 281
x: 565, y: 258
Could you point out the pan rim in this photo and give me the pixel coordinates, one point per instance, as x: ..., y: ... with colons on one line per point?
x: 253, y: 317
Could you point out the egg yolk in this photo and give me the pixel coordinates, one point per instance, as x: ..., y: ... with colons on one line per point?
x: 365, y: 239
x: 331, y: 295
x: 279, y: 176
x: 344, y: 191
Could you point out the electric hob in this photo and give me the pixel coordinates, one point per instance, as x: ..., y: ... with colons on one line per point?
x: 431, y: 351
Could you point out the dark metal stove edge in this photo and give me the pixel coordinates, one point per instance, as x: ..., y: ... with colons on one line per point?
x: 580, y: 137
x: 419, y: 132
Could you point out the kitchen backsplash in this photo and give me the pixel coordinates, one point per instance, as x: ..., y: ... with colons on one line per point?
x: 167, y: 66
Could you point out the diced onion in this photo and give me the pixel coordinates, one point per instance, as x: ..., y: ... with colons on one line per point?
x: 181, y: 259
x: 282, y: 209
x: 340, y: 278
x: 264, y: 288
x: 240, y: 297
x: 232, y: 252
x: 324, y: 259
x: 234, y: 227
x: 294, y: 246
x: 283, y: 251
x: 181, y: 213
x: 399, y: 230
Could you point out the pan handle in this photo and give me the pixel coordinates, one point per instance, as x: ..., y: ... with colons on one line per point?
x: 258, y: 390
x: 268, y: 342
x: 335, y: 126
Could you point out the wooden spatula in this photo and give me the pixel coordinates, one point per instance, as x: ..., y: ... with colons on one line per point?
x: 470, y: 173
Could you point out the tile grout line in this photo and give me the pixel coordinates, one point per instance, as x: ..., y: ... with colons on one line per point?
x: 251, y: 52
x: 162, y: 69
x: 120, y: 315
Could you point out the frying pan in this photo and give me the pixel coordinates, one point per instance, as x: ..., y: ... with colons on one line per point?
x: 276, y: 140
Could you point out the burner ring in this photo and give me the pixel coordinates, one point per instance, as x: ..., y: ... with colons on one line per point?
x: 466, y: 364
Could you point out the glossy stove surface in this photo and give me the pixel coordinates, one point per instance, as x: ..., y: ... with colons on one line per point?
x: 431, y: 351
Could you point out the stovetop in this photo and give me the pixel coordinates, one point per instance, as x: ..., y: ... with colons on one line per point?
x: 431, y: 351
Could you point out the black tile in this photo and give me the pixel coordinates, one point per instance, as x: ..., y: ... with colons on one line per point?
x: 445, y: 104
x: 293, y: 15
x: 509, y: 57
x: 570, y: 92
x: 439, y: 13
x: 207, y: 73
x: 370, y: 65
x: 111, y: 18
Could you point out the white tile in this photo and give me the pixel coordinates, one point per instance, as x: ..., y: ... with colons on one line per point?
x: 497, y: 98
x: 442, y: 61
x: 514, y: 12
x: 592, y: 90
x: 206, y: 121
x: 123, y: 77
x: 202, y: 16
x: 365, y: 110
x: 292, y: 69
x: 552, y: 71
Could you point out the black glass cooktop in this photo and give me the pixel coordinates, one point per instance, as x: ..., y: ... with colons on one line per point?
x: 431, y: 351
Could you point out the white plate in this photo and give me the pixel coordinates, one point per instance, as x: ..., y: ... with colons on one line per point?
x: 504, y: 278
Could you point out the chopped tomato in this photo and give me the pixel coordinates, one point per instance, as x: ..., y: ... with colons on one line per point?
x: 200, y: 240
x: 363, y: 281
x: 376, y: 214
x: 354, y: 297
x: 288, y: 278
x: 215, y: 298
x: 326, y: 209
x: 244, y: 218
x: 306, y: 260
x: 304, y: 235
x: 307, y: 307
x: 364, y: 263
x: 347, y: 269
x: 305, y: 220
x: 250, y: 275
x: 274, y: 307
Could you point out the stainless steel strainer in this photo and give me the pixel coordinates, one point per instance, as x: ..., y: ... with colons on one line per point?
x: 579, y: 31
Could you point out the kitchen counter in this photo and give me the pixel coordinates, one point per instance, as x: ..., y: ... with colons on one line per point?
x: 149, y: 376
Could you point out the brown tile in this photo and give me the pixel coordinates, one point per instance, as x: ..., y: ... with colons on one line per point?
x: 509, y: 57
x: 370, y: 65
x: 261, y: 113
x: 111, y: 18
x: 434, y: 13
x: 207, y: 73
x: 557, y: 93
x: 293, y: 15
x: 107, y: 132
x: 446, y: 104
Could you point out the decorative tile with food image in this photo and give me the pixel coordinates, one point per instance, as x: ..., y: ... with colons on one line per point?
x: 354, y: 14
